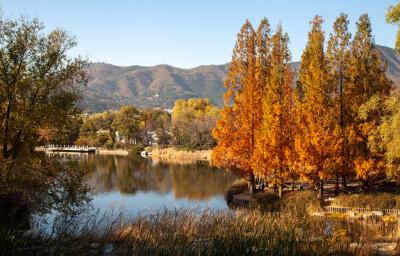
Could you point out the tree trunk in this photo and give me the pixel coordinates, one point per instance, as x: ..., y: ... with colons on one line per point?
x: 321, y: 189
x: 292, y: 184
x: 5, y: 146
x: 252, y: 184
x: 280, y: 190
x: 344, y: 182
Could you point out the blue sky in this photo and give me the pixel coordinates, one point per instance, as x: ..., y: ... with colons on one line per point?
x: 187, y: 33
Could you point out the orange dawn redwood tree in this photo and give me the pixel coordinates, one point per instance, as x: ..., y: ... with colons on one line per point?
x: 241, y: 116
x: 338, y: 54
x: 368, y: 79
x: 274, y: 152
x: 315, y: 140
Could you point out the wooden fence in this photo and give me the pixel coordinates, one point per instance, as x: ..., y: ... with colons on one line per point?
x: 360, y: 210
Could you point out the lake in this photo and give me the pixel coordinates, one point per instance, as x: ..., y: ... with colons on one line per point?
x: 144, y: 185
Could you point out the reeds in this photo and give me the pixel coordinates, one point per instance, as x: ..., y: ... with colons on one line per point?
x: 186, y: 232
x: 376, y: 200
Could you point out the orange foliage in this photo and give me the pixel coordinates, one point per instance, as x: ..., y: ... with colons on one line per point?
x: 242, y: 115
x: 315, y: 141
x: 274, y: 153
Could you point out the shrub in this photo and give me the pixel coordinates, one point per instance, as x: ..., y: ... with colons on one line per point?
x: 136, y: 149
x: 102, y: 138
x: 109, y: 145
x: 118, y: 145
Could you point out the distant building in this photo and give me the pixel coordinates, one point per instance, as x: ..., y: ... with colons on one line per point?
x: 118, y: 137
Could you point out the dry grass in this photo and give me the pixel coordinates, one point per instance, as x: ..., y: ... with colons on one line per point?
x: 376, y: 200
x: 188, y: 232
x: 179, y: 156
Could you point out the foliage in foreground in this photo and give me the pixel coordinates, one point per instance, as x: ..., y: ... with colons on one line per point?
x: 187, y: 232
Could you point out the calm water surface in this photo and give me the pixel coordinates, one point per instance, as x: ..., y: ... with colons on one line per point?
x: 142, y: 184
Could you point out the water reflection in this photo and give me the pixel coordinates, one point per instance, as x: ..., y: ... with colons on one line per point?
x: 130, y: 174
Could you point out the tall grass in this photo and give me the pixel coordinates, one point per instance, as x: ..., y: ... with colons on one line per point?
x: 377, y: 200
x: 186, y: 232
x: 300, y: 202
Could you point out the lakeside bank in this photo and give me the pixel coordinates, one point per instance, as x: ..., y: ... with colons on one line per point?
x: 179, y: 156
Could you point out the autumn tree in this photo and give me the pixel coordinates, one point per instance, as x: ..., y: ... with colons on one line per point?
x: 274, y: 152
x: 193, y: 122
x: 367, y: 79
x: 145, y: 119
x: 338, y: 55
x: 161, y: 124
x: 315, y: 141
x: 127, y: 121
x: 242, y: 114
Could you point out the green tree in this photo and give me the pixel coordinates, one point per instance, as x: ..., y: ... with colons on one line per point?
x: 393, y: 17
x: 390, y: 134
x: 39, y: 83
x: 39, y: 88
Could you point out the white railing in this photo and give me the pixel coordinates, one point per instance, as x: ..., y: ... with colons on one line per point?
x: 53, y: 147
x: 360, y: 210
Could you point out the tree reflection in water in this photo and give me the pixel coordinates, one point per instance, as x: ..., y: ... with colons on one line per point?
x: 129, y: 174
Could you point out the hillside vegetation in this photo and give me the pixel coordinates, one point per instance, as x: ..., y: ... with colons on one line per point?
x: 112, y: 87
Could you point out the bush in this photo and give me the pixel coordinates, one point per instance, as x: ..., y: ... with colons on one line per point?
x: 136, y: 150
x: 109, y: 145
x: 118, y: 145
x: 102, y: 138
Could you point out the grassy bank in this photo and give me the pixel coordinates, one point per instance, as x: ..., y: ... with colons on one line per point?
x: 180, y: 232
x: 182, y: 156
x: 375, y: 200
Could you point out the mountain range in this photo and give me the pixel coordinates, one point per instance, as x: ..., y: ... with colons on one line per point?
x: 111, y: 87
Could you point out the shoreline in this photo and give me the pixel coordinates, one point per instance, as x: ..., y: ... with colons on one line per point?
x: 101, y: 151
x: 171, y: 153
x: 175, y: 154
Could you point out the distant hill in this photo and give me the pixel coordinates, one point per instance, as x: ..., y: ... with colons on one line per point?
x: 112, y: 87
